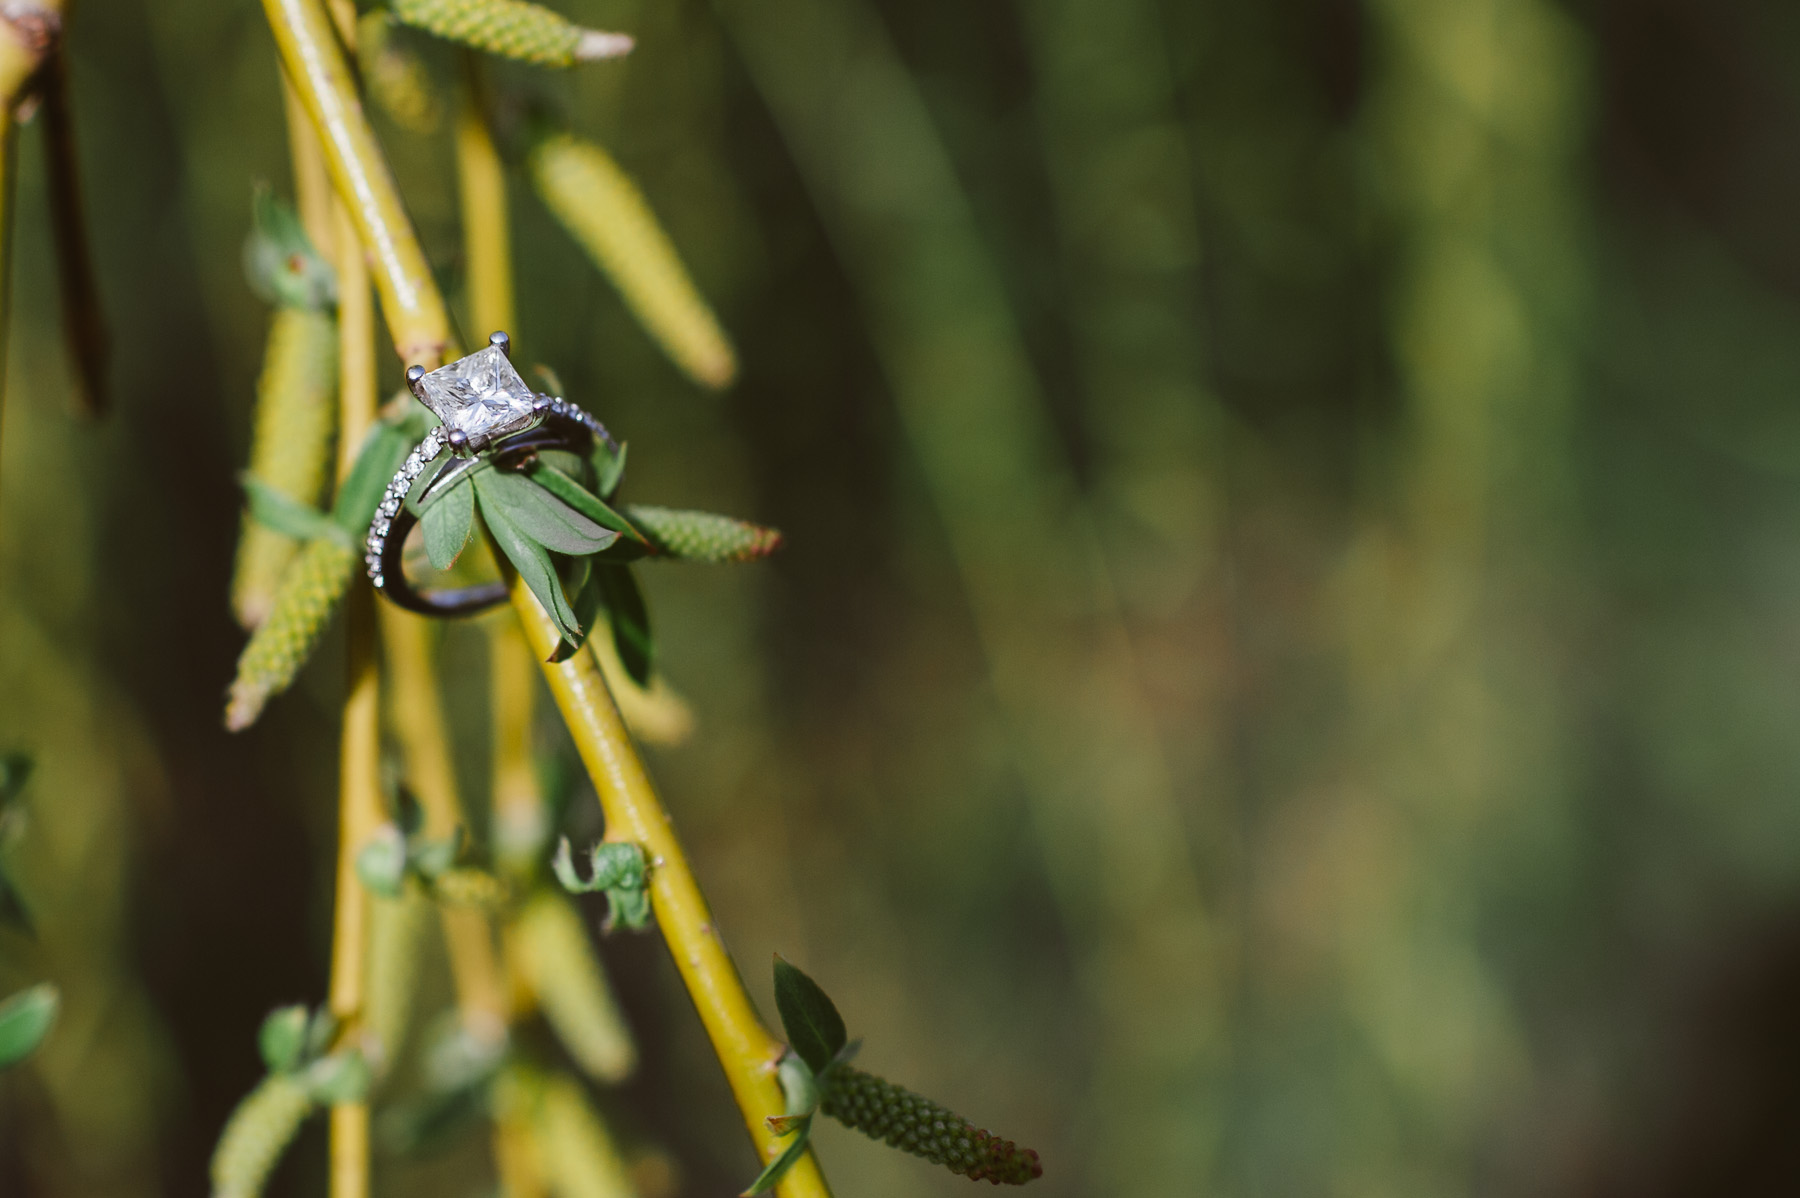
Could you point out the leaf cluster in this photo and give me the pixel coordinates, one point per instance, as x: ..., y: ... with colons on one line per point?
x: 296, y: 1043
x: 618, y: 868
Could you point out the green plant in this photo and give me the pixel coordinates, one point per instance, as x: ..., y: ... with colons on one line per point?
x: 557, y: 530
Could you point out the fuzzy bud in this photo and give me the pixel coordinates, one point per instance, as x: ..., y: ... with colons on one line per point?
x: 258, y: 1132
x: 309, y: 592
x: 512, y: 29
x: 702, y: 536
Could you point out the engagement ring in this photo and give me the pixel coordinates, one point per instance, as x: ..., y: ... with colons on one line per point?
x: 489, y: 417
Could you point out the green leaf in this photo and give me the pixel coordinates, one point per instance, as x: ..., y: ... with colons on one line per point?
x: 15, y: 772
x: 815, y: 1029
x: 703, y: 536
x: 382, y: 452
x: 287, y: 515
x: 446, y: 522
x: 770, y: 1177
x: 25, y: 1019
x: 609, y: 467
x: 280, y: 261
x: 630, y: 621
x: 565, y: 488
x: 542, y: 516
x: 530, y: 559
x: 282, y: 1038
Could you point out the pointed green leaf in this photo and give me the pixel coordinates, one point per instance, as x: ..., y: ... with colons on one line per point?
x: 282, y: 1038
x: 446, y: 524
x: 630, y: 621
x: 571, y: 492
x: 702, y: 536
x: 25, y: 1019
x: 609, y: 467
x: 770, y: 1177
x: 530, y: 559
x: 339, y: 1078
x: 815, y: 1029
x: 287, y: 515
x: 542, y: 516
x: 382, y: 452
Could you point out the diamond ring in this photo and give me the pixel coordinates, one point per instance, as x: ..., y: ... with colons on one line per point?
x: 488, y: 415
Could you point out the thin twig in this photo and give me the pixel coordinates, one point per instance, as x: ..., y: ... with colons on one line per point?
x: 359, y: 813
x: 84, y: 323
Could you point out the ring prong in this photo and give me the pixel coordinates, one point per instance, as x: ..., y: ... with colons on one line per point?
x: 413, y: 375
x: 501, y: 342
x: 459, y: 440
x: 540, y: 403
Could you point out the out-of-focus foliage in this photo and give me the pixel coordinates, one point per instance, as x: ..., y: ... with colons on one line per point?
x: 1280, y: 678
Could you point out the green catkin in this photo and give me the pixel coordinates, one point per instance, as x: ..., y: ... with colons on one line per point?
x: 703, y: 536
x: 884, y: 1111
x: 512, y: 29
x: 578, y: 1156
x: 256, y: 1135
x: 310, y: 589
x: 603, y: 209
x: 396, y: 934
x: 395, y: 77
x: 290, y: 446
x: 558, y: 963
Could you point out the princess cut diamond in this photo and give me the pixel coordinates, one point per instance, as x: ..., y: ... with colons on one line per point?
x: 481, y: 396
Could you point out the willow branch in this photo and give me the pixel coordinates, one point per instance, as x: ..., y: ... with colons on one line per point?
x: 320, y: 74
x: 360, y: 763
x: 746, y: 1050
x: 417, y: 713
x: 417, y: 318
x: 481, y: 186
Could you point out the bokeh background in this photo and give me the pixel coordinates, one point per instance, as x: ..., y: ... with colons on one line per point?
x: 1282, y: 680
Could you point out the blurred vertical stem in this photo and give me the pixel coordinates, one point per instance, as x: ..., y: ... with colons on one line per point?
x: 634, y: 813
x: 84, y: 325
x: 360, y: 782
x: 1081, y: 729
x: 481, y: 183
x: 417, y: 715
x: 314, y: 60
x: 312, y: 184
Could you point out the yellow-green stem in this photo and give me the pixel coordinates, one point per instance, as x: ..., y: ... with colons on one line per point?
x: 360, y: 762
x: 312, y: 183
x: 481, y: 182
x: 315, y: 65
x: 746, y: 1050
x: 418, y: 719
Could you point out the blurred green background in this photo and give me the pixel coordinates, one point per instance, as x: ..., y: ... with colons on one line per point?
x: 1282, y: 676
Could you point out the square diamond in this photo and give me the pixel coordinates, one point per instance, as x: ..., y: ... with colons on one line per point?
x: 482, y: 395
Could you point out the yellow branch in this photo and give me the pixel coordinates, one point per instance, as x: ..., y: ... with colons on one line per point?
x: 481, y: 180
x: 315, y: 65
x: 417, y: 714
x: 746, y: 1050
x: 360, y: 760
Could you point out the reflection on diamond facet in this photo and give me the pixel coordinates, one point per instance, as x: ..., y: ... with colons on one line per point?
x: 480, y: 395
